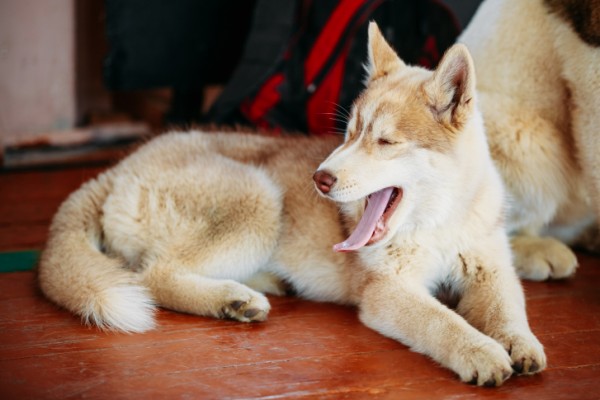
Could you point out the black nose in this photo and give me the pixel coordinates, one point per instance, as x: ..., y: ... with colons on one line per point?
x: 324, y: 181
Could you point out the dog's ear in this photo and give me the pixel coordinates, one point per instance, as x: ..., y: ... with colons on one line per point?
x: 383, y: 60
x: 451, y: 90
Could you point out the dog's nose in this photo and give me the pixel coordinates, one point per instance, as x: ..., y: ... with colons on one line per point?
x: 324, y: 181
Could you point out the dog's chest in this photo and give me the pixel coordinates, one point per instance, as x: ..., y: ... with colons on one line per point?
x: 435, y: 269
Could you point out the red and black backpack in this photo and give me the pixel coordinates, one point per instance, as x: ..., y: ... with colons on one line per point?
x: 303, y: 63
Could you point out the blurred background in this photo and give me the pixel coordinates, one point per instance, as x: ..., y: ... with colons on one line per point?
x: 81, y: 75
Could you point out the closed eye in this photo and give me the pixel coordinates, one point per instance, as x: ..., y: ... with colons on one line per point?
x: 384, y: 142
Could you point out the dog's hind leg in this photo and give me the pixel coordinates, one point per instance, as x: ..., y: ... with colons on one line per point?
x: 581, y: 71
x: 196, y: 232
x: 540, y: 174
x: 180, y: 290
x: 586, y: 131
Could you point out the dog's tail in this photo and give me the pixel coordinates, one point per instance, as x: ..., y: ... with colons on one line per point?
x: 75, y: 272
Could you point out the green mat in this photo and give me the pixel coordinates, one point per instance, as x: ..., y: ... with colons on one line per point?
x: 13, y: 261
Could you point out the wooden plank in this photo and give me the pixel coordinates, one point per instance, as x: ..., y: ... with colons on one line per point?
x: 304, y: 350
x: 43, y: 184
x: 29, y: 211
x: 29, y: 199
x: 23, y: 237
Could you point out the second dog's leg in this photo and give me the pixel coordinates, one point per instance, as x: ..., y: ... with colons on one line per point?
x: 581, y: 70
x: 540, y: 258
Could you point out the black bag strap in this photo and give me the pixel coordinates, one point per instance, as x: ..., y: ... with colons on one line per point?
x: 273, y: 25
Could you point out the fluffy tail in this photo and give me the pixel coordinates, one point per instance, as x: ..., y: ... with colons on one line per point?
x: 75, y: 273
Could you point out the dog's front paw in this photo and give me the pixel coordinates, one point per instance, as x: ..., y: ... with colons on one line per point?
x: 245, y: 305
x: 538, y: 258
x: 486, y: 364
x: 526, y: 352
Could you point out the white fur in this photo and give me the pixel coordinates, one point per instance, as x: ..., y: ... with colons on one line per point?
x: 122, y: 308
x: 539, y: 86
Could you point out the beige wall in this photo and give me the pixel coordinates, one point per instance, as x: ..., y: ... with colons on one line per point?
x: 37, y: 66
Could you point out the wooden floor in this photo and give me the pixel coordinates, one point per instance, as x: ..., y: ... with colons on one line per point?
x: 304, y: 350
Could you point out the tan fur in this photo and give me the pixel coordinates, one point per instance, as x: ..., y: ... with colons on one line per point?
x: 191, y: 220
x: 538, y: 69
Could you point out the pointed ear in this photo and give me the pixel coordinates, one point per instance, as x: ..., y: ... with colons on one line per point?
x: 383, y: 60
x: 451, y: 89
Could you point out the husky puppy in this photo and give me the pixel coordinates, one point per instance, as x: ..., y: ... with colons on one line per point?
x: 538, y: 74
x: 410, y: 201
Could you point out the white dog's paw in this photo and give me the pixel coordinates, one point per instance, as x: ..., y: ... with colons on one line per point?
x: 487, y: 364
x: 527, y: 353
x: 538, y: 258
x: 525, y: 350
x: 244, y: 304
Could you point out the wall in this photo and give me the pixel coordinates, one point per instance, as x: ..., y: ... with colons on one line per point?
x: 37, y: 66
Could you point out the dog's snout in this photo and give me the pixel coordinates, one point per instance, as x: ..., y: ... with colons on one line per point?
x: 324, y: 181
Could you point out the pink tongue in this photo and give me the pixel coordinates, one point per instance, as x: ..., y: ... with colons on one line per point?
x: 376, y: 204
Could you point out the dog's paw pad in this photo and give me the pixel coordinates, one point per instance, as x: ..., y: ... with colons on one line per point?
x: 538, y: 258
x: 526, y: 366
x: 252, y: 313
x: 492, y: 381
x: 236, y: 305
x: 250, y: 306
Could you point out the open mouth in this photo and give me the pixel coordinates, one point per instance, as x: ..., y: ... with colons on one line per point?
x: 373, y: 226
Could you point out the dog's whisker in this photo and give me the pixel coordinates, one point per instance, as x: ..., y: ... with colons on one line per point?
x: 341, y: 109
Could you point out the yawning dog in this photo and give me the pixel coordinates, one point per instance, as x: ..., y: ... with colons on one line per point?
x: 409, y: 204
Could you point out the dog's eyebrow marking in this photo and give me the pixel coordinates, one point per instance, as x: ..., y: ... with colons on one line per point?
x: 359, y: 122
x: 382, y: 109
x: 370, y: 125
x: 464, y: 263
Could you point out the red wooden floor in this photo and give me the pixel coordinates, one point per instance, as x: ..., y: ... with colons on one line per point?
x: 304, y: 350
